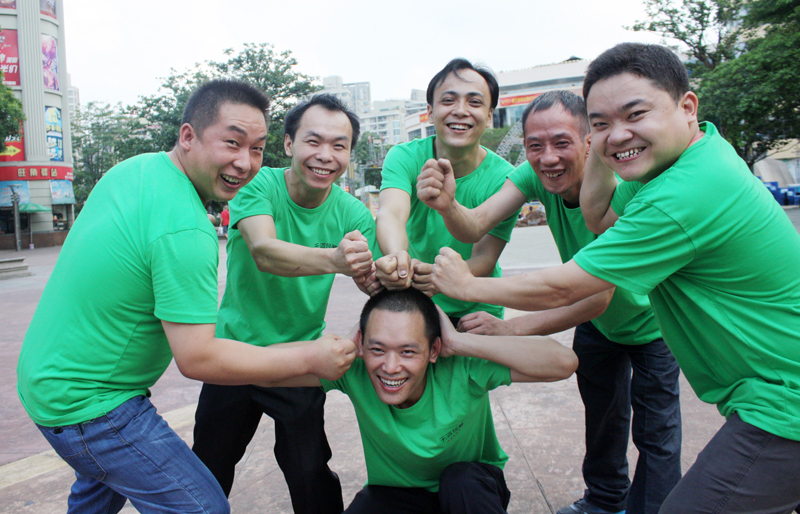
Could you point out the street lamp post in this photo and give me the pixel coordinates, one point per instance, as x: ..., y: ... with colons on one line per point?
x: 15, y: 202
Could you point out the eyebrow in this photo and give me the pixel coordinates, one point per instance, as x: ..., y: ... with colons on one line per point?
x: 471, y: 93
x: 628, y: 106
x: 311, y: 133
x: 242, y: 132
x: 560, y: 135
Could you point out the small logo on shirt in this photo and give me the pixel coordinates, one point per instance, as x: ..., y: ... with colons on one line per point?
x: 324, y: 245
x: 451, y: 434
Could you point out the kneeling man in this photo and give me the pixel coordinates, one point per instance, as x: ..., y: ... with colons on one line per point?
x: 421, y: 397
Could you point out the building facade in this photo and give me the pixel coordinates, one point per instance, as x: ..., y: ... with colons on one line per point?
x: 37, y: 166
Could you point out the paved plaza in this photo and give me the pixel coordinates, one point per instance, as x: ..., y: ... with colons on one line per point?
x: 540, y: 426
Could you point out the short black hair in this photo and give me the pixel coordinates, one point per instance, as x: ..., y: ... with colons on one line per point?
x: 571, y: 103
x: 404, y: 300
x: 657, y: 63
x: 202, y: 108
x: 462, y: 64
x: 329, y: 102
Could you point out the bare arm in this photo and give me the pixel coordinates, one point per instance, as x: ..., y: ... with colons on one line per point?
x: 436, y: 189
x: 202, y: 356
x: 352, y: 257
x: 538, y: 323
x: 597, y: 191
x: 545, y: 289
x: 531, y: 359
x: 394, y: 268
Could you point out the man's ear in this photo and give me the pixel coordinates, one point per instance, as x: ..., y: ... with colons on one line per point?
x: 689, y: 103
x: 429, y: 111
x: 436, y: 349
x: 186, y: 136
x: 287, y: 145
x: 359, y: 345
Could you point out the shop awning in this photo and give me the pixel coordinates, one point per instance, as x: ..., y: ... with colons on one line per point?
x: 33, y: 207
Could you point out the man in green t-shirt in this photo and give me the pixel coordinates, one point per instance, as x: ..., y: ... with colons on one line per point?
x: 622, y: 336
x: 291, y: 231
x: 420, y: 393
x: 726, y: 294
x: 136, y: 284
x: 461, y: 100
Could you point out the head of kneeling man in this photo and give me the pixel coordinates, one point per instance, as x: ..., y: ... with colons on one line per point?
x: 400, y: 335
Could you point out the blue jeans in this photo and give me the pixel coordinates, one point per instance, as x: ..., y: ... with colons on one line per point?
x: 613, y: 379
x: 132, y: 453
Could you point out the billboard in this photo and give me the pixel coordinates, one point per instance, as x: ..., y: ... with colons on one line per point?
x: 15, y: 148
x: 48, y: 7
x: 61, y: 191
x: 8, y: 4
x: 50, y: 61
x: 54, y: 133
x: 22, y: 190
x: 9, y: 57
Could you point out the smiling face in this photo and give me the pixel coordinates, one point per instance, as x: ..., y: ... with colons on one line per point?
x: 396, y: 353
x: 461, y: 109
x: 320, y: 152
x: 227, y: 154
x: 557, y: 151
x: 638, y: 129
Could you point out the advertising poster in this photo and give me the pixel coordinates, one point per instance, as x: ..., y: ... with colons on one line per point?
x: 9, y: 57
x: 61, y: 191
x: 50, y: 62
x: 48, y: 7
x: 15, y: 149
x: 21, y: 186
x: 8, y: 4
x: 55, y: 133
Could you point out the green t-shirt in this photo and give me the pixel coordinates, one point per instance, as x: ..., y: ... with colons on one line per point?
x: 629, y: 318
x: 452, y: 422
x: 141, y: 251
x: 719, y: 259
x: 426, y: 230
x: 261, y: 308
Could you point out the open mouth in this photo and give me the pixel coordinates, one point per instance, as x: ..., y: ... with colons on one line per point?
x: 553, y: 174
x: 628, y: 154
x: 459, y: 127
x: 392, y: 384
x: 322, y: 172
x: 231, y: 180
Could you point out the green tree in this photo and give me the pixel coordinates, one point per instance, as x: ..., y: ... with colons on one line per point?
x: 257, y: 64
x: 11, y: 116
x: 98, y: 132
x: 368, y: 156
x: 493, y: 136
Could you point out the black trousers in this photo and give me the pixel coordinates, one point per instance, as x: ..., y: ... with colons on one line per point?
x: 464, y: 488
x: 227, y: 418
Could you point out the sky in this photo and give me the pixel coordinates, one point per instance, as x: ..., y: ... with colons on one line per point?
x: 118, y: 51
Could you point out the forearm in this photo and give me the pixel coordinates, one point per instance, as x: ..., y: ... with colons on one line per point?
x: 466, y: 225
x: 290, y: 260
x: 597, y: 190
x: 529, y: 358
x: 391, y: 234
x: 228, y: 362
x: 562, y: 318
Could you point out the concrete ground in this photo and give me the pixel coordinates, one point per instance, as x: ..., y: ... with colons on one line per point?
x: 539, y: 425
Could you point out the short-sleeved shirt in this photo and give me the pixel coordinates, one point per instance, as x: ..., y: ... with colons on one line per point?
x: 451, y: 422
x: 629, y: 319
x: 719, y: 259
x: 427, y: 233
x: 261, y: 308
x: 141, y: 251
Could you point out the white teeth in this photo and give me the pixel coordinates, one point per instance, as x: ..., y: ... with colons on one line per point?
x: 629, y: 153
x: 392, y: 383
x: 457, y: 126
x: 553, y: 175
x: 319, y: 171
x: 231, y: 180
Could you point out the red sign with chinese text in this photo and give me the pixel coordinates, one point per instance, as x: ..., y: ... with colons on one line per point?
x: 35, y: 173
x: 9, y: 57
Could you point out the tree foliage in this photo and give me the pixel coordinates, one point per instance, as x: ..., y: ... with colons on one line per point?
x: 11, y: 116
x: 743, y: 57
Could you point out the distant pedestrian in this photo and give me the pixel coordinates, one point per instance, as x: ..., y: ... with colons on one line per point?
x: 225, y: 215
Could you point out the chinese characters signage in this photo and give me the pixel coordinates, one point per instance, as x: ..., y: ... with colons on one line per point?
x: 11, y: 172
x: 15, y: 149
x: 9, y: 57
x: 55, y: 134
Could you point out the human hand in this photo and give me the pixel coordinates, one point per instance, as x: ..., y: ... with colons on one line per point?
x: 449, y: 334
x: 352, y: 257
x: 394, y: 270
x: 333, y: 356
x: 451, y: 274
x: 484, y: 323
x: 436, y: 184
x: 369, y: 283
x: 421, y: 279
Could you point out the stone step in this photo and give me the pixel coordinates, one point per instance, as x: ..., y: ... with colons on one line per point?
x: 13, y: 268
